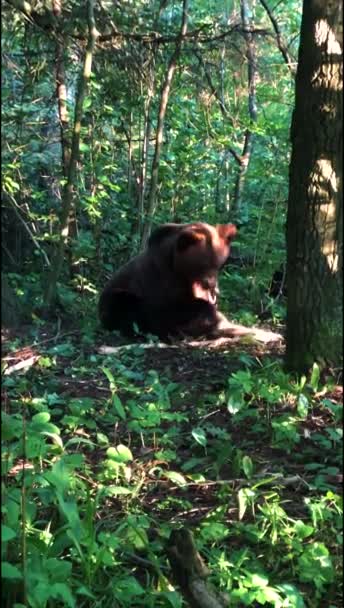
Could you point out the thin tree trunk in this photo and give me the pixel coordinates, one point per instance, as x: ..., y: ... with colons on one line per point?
x: 70, y: 185
x: 130, y: 158
x: 160, y: 126
x: 243, y: 159
x: 144, y: 161
x: 252, y: 105
x: 61, y: 94
x: 314, y: 221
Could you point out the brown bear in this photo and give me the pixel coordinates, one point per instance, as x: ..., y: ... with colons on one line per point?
x: 172, y: 287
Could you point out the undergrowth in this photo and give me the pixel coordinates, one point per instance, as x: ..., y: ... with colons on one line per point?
x: 103, y: 456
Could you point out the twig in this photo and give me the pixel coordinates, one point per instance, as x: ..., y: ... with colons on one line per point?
x: 16, y: 208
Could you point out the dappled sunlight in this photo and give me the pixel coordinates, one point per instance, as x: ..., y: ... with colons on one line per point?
x: 328, y: 74
x: 324, y: 35
x: 323, y: 171
x: 324, y: 188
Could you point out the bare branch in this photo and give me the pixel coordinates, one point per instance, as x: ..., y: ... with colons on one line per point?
x: 282, y: 47
x: 223, y: 108
x: 16, y: 209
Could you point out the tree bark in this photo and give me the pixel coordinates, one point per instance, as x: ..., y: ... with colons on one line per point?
x: 11, y: 312
x: 190, y: 572
x: 314, y: 220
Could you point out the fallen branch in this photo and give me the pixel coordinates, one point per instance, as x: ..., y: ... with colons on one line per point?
x: 257, y: 480
x: 114, y: 350
x: 227, y: 333
x: 22, y: 365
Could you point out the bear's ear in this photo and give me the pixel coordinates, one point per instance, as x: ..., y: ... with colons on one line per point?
x: 190, y: 237
x: 227, y: 231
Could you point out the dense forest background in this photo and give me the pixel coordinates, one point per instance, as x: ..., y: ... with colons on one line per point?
x: 224, y: 146
x: 197, y: 473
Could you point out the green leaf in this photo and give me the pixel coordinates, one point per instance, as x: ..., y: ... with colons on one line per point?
x: 41, y: 418
x: 256, y: 580
x: 292, y: 594
x: 116, y: 491
x: 119, y: 407
x: 102, y: 439
x: 61, y: 591
x: 269, y: 594
x: 214, y: 531
x: 130, y: 588
x: 315, y: 565
x: 80, y: 441
x: 11, y: 426
x: 109, y: 376
x: 235, y: 403
x: 176, y: 477
x: 242, y: 500
x: 302, y: 530
x: 7, y: 533
x: 87, y: 103
x: 55, y: 438
x: 59, y: 569
x: 244, y: 596
x: 315, y: 377
x: 247, y: 466
x: 302, y: 406
x: 173, y: 598
x: 120, y: 454
x: 9, y: 571
x: 45, y: 362
x: 83, y: 590
x: 199, y: 436
x: 137, y: 537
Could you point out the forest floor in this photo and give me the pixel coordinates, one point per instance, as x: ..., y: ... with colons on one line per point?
x: 184, y: 474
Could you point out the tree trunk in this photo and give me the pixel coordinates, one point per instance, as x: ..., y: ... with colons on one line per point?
x: 314, y: 221
x: 252, y: 104
x: 165, y: 92
x: 11, y: 312
x: 67, y: 202
x: 61, y: 94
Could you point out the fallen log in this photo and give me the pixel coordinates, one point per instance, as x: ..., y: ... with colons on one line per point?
x: 190, y: 572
